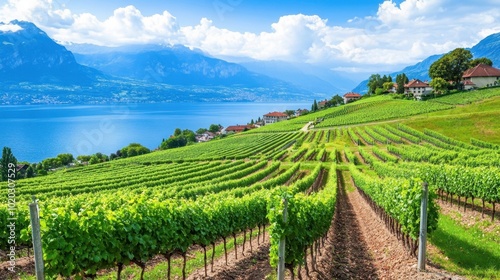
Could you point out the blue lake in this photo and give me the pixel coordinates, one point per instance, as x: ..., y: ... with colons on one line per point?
x: 36, y: 132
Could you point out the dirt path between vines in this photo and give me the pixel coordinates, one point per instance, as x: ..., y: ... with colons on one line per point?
x: 389, y: 258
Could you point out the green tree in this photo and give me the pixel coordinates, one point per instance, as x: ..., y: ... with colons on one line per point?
x: 382, y: 81
x: 98, y: 158
x: 401, y: 80
x: 379, y: 91
x: 214, y: 128
x: 480, y: 60
x: 186, y: 137
x: 337, y: 100
x: 373, y: 83
x: 133, y: 149
x: 51, y: 163
x: 439, y: 85
x: 177, y: 132
x: 201, y: 130
x: 451, y: 66
x: 94, y: 159
x: 388, y: 85
x: 30, y: 172
x: 190, y: 135
x: 173, y: 142
x: 289, y: 112
x: 314, y: 107
x: 83, y: 158
x: 8, y: 161
x: 66, y: 158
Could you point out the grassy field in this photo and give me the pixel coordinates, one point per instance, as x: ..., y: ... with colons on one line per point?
x: 478, y: 120
x: 466, y: 251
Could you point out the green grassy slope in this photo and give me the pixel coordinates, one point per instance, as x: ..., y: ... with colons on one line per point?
x: 479, y: 120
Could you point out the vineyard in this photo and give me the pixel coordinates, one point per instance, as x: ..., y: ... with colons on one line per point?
x: 101, y: 219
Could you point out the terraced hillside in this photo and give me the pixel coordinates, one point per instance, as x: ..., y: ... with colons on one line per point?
x: 132, y: 216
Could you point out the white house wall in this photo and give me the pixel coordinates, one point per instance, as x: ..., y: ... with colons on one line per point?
x: 484, y: 81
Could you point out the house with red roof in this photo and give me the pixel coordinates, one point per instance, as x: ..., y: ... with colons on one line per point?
x: 322, y: 104
x: 237, y: 128
x: 468, y: 85
x: 418, y: 88
x: 351, y: 96
x: 481, y: 76
x: 274, y: 117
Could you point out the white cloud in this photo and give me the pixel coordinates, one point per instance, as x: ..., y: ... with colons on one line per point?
x: 42, y: 12
x: 126, y: 26
x: 410, y: 11
x: 397, y: 34
x: 10, y: 27
x: 292, y: 38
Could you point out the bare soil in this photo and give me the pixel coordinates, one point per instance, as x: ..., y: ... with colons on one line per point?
x: 471, y: 216
x: 24, y: 265
x: 252, y: 265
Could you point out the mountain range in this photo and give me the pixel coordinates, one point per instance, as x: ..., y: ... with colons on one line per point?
x: 173, y: 65
x: 29, y: 55
x: 36, y: 69
x: 488, y: 47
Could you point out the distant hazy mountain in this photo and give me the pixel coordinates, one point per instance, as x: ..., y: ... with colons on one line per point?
x: 308, y: 77
x: 174, y: 65
x: 35, y: 69
x: 29, y: 55
x: 488, y: 47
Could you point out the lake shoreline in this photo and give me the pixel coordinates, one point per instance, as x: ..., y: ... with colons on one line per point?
x: 37, y: 132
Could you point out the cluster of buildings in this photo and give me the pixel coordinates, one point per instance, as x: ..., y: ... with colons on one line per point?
x: 480, y: 76
x: 269, y: 118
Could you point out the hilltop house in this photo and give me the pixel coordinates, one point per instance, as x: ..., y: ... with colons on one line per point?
x: 417, y: 88
x: 301, y: 112
x: 481, y: 76
x: 206, y: 136
x: 274, y: 117
x: 21, y: 169
x: 351, y: 96
x: 394, y: 88
x: 322, y: 104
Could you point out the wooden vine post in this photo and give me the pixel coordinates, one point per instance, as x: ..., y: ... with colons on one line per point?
x: 37, y: 240
x: 281, y: 249
x: 423, y: 229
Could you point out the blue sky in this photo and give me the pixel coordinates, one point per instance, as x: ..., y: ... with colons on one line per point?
x: 240, y: 15
x: 348, y: 36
